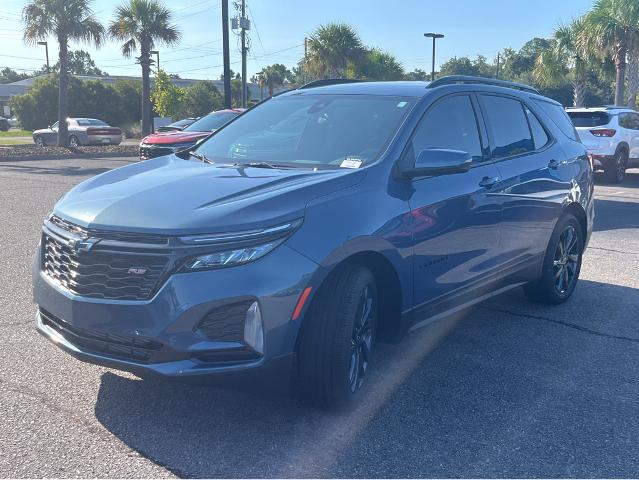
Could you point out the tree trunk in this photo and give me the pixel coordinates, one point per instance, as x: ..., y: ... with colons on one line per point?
x: 633, y: 78
x: 579, y: 93
x: 145, y: 61
x: 270, y: 89
x: 63, y: 81
x: 620, y: 66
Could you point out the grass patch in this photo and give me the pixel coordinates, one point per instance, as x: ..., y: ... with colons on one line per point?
x: 15, y: 133
x: 7, y: 141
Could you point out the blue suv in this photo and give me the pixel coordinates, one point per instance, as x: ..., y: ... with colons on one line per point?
x: 315, y: 224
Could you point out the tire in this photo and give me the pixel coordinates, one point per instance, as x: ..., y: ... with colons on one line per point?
x: 39, y: 141
x: 336, y: 340
x: 74, y: 142
x: 560, y: 271
x: 615, y: 168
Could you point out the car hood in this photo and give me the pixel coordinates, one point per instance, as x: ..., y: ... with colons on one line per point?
x: 170, y: 196
x: 165, y: 138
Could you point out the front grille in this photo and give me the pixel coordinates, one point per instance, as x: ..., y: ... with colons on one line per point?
x: 153, y: 152
x: 98, y: 273
x: 132, y: 348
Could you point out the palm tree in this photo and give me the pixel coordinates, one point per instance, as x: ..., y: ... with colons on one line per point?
x: 274, y: 76
x: 612, y: 27
x: 65, y: 20
x: 565, y: 57
x: 141, y: 24
x: 331, y: 48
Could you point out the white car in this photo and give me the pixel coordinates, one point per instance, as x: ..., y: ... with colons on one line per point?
x: 611, y: 135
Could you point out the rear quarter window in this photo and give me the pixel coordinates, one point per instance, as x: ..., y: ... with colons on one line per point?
x: 559, y: 117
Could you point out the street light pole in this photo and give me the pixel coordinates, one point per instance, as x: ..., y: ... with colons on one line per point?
x: 434, y: 36
x: 157, y: 56
x: 225, y: 54
x: 46, y: 51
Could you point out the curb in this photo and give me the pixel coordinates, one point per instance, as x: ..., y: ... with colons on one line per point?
x: 25, y: 158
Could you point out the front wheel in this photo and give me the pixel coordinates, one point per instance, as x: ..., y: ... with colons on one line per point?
x: 562, y: 264
x: 337, y: 338
x: 74, y: 142
x: 39, y: 141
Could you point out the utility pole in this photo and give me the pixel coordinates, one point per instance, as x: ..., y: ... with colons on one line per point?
x: 305, y: 76
x: 243, y: 27
x: 157, y: 56
x: 434, y: 36
x: 225, y: 53
x: 46, y: 51
x: 498, y: 59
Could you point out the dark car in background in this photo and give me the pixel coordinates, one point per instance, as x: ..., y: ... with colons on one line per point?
x: 4, y: 124
x: 291, y: 247
x: 82, y: 131
x: 165, y: 143
x: 177, y: 126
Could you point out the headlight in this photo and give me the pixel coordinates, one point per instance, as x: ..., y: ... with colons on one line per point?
x: 236, y: 248
x: 229, y: 258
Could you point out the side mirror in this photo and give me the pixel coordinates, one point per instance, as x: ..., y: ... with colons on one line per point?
x: 49, y: 127
x: 439, y: 161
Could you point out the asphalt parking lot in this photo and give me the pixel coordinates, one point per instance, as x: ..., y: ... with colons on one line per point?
x: 507, y: 389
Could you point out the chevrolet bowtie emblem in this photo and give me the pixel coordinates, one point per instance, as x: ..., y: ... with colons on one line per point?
x: 82, y: 244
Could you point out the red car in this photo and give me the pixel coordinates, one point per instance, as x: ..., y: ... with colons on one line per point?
x: 166, y: 143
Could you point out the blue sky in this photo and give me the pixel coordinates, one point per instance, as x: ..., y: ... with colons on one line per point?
x: 279, y: 27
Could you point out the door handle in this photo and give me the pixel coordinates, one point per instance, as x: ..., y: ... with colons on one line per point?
x: 554, y: 164
x: 488, y: 182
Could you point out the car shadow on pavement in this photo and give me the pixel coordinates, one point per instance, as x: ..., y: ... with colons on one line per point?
x: 508, y: 388
x: 631, y: 179
x: 615, y: 214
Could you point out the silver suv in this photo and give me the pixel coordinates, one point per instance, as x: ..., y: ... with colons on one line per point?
x: 611, y: 135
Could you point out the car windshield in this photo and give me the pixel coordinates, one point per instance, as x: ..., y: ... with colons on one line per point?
x: 91, y: 122
x: 311, y: 130
x: 211, y: 122
x: 589, y: 119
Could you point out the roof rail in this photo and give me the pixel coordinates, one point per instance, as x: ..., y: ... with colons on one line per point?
x: 453, y: 79
x: 329, y: 81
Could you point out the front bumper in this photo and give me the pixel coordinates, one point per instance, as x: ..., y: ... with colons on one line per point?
x: 170, y: 319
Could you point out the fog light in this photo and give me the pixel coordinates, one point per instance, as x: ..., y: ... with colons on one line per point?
x: 253, y: 331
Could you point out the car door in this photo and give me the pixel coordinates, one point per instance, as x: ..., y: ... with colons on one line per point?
x: 51, y: 134
x: 455, y: 220
x: 634, y: 135
x: 534, y: 177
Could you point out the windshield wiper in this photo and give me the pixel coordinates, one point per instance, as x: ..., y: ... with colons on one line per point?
x: 201, y: 157
x: 260, y: 165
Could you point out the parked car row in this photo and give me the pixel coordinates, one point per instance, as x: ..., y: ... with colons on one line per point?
x: 82, y: 131
x: 168, y: 142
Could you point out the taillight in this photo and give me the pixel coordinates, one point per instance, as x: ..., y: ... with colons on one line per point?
x: 603, y: 132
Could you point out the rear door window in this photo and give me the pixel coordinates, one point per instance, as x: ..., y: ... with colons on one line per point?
x: 506, y: 120
x: 540, y: 137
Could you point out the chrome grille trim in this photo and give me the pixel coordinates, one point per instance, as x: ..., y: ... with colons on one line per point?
x: 104, y: 270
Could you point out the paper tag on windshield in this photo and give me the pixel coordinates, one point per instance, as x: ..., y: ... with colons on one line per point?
x: 351, y: 163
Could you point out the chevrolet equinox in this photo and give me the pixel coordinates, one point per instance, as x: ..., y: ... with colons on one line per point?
x: 315, y: 224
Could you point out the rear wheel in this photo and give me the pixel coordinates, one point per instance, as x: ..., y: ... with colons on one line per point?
x: 615, y: 170
x: 562, y: 264
x: 337, y: 339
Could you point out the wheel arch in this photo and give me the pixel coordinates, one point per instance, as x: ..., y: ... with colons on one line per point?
x: 577, y: 210
x: 389, y: 289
